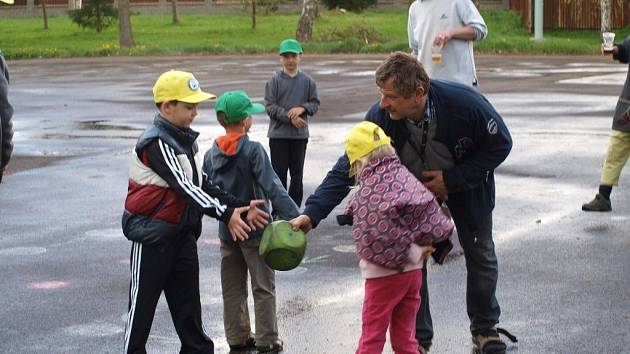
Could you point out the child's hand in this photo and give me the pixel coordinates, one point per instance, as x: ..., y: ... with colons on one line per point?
x: 426, y: 252
x: 257, y: 218
x: 296, y: 112
x: 302, y: 222
x: 237, y: 227
x: 298, y: 122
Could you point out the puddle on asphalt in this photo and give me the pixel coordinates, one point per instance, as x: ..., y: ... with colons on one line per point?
x: 101, y: 125
x: 597, y: 229
x: 515, y: 173
x: 94, y: 125
x: 60, y: 136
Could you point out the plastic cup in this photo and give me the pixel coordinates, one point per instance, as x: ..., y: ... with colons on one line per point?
x: 608, y: 39
x: 436, y: 54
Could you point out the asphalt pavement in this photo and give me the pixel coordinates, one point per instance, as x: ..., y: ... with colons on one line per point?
x: 64, y: 264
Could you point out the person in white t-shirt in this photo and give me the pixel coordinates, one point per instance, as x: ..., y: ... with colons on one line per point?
x: 440, y: 35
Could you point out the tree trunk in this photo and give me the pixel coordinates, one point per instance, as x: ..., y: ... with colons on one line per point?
x: 99, y: 19
x: 253, y: 14
x: 124, y: 25
x: 304, y: 32
x: 605, y: 25
x: 174, y: 6
x: 45, y: 14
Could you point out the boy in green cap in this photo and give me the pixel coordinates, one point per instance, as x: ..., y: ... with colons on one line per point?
x: 291, y: 97
x: 241, y: 167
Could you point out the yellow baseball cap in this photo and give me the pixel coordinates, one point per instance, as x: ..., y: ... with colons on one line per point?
x: 180, y: 86
x: 7, y: 1
x: 363, y: 139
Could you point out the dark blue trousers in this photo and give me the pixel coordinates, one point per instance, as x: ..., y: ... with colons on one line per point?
x: 482, y: 274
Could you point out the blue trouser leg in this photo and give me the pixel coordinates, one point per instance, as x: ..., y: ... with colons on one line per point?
x: 424, y: 324
x: 483, y: 272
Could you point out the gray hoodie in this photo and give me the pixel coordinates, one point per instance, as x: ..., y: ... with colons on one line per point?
x: 284, y: 92
x: 248, y: 174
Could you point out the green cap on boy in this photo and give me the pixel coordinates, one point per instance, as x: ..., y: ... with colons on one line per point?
x: 236, y: 106
x: 290, y: 46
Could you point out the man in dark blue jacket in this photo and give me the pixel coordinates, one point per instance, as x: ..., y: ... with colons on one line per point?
x: 450, y: 137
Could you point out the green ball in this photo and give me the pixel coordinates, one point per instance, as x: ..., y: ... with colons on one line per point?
x: 281, y: 247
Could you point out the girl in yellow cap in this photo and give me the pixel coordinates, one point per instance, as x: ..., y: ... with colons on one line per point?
x: 397, y: 223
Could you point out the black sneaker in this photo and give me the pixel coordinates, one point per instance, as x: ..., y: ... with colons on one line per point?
x: 250, y: 344
x: 600, y: 203
x: 488, y: 341
x: 274, y: 348
x: 424, y: 349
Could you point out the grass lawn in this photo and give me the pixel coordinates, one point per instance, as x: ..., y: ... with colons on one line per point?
x: 371, y: 31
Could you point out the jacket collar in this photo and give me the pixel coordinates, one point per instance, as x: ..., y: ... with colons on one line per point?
x: 371, y: 167
x: 182, y: 135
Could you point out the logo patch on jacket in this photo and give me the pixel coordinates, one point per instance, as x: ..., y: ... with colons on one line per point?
x: 493, y: 127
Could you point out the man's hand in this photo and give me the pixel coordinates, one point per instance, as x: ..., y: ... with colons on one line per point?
x: 435, y: 183
x: 441, y: 39
x: 296, y: 112
x: 298, y: 122
x: 257, y: 218
x: 465, y: 33
x: 302, y: 222
x: 237, y: 227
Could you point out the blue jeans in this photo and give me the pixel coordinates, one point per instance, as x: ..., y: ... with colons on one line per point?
x: 482, y: 274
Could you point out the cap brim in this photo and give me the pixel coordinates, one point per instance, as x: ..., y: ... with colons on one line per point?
x: 198, y: 97
x: 291, y: 51
x: 7, y: 1
x: 256, y: 108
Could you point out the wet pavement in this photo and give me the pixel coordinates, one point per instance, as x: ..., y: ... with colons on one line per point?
x: 563, y: 287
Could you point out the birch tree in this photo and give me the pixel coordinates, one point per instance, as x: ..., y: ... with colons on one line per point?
x: 605, y: 23
x: 304, y: 32
x: 124, y: 25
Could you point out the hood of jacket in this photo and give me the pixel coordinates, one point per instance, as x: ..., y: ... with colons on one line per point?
x: 229, y: 147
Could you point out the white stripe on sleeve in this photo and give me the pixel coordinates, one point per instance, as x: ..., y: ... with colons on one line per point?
x: 196, y: 193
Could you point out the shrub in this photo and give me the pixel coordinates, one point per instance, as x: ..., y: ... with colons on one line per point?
x: 357, y: 32
x: 350, y: 5
x: 97, y: 14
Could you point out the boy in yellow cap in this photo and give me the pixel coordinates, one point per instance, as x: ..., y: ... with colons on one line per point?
x: 166, y: 200
x: 241, y: 167
x: 291, y: 97
x: 396, y: 224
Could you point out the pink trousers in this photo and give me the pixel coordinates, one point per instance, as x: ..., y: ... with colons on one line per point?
x: 393, y: 302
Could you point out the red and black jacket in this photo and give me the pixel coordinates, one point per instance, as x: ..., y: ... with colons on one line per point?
x: 167, y: 194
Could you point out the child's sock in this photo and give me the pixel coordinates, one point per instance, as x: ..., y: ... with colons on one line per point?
x: 605, y: 191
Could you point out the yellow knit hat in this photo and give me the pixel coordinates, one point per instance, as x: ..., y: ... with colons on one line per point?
x: 363, y: 139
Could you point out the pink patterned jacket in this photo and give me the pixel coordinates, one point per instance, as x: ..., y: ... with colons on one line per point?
x: 390, y: 210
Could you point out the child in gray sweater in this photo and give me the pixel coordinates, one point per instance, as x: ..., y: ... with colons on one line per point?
x: 291, y: 97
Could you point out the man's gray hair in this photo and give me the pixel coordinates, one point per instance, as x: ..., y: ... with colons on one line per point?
x: 407, y: 72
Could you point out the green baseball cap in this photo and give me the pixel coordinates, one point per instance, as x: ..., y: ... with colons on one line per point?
x: 290, y: 46
x: 236, y: 106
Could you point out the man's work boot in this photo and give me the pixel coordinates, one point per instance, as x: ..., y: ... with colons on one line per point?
x: 600, y: 203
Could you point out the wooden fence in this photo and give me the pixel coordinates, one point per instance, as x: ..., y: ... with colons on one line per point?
x: 572, y: 14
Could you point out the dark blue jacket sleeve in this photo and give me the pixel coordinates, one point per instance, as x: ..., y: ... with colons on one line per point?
x: 335, y: 186
x: 493, y: 144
